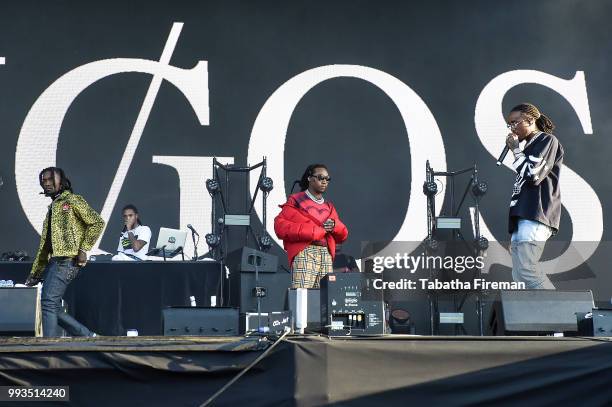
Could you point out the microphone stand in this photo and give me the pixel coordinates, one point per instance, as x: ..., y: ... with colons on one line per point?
x: 195, y: 245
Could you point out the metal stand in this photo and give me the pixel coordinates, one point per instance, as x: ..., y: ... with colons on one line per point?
x: 477, y: 189
x: 218, y: 189
x: 166, y: 254
x: 195, y: 245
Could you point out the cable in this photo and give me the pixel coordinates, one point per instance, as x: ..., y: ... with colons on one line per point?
x: 441, y: 186
x: 246, y: 369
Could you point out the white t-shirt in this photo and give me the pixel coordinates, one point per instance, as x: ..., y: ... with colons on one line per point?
x: 141, y: 233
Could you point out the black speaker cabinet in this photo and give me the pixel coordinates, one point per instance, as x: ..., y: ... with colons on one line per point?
x: 247, y: 260
x: 200, y: 321
x: 538, y: 312
x: 243, y: 288
x: 17, y: 311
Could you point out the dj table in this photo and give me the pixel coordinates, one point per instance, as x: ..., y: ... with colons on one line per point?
x: 110, y: 298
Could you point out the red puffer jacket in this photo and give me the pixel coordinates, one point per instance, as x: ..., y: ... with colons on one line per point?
x: 297, y: 229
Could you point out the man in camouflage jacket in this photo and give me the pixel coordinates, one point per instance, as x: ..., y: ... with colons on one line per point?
x: 71, y: 228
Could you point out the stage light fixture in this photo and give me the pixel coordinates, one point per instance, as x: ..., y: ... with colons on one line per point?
x: 212, y: 240
x: 430, y: 188
x: 431, y: 244
x: 480, y: 188
x: 266, y: 184
x: 482, y: 243
x: 265, y: 241
x: 212, y: 185
x: 400, y: 322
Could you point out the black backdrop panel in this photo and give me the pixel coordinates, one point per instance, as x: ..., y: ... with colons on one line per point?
x: 445, y: 52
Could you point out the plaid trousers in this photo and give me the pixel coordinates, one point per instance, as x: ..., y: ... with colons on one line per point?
x: 309, y: 266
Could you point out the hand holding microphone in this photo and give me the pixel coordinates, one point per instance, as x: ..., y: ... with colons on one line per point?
x: 512, y: 143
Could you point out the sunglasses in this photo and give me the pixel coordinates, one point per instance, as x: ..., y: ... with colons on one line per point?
x: 322, y: 178
x: 512, y: 125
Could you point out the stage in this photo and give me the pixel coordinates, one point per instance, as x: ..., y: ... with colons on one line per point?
x: 450, y: 154
x: 315, y: 370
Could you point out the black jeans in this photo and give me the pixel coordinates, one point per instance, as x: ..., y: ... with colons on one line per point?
x: 57, y: 275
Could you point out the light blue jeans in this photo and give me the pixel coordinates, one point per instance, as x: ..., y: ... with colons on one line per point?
x: 527, y: 245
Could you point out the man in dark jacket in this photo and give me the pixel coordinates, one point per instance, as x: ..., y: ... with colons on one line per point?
x: 535, y: 205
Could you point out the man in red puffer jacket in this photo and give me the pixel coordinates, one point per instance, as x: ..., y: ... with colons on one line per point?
x: 310, y: 229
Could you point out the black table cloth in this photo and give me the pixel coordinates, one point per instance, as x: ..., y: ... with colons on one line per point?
x: 110, y: 298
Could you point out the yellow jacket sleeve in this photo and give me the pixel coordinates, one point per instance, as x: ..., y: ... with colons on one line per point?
x: 93, y: 222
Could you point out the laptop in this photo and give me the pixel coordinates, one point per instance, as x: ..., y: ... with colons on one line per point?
x: 172, y: 239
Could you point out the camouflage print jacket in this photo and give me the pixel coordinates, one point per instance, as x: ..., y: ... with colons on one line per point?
x: 74, y: 226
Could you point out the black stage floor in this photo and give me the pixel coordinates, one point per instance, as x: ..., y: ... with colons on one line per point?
x: 314, y: 370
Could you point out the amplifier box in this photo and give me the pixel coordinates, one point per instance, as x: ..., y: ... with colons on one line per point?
x: 269, y: 322
x: 350, y: 305
x: 200, y: 321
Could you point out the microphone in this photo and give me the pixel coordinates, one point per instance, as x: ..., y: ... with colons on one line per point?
x: 502, y: 156
x: 193, y: 230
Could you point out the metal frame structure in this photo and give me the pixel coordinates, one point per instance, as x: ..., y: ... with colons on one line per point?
x: 219, y: 192
x: 220, y: 222
x: 478, y: 189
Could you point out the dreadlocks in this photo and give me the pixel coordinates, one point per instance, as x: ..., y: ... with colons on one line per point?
x: 543, y: 123
x: 65, y: 184
x: 309, y: 171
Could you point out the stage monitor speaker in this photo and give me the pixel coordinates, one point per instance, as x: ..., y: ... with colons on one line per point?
x: 18, y: 311
x: 200, y: 321
x: 538, y: 312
